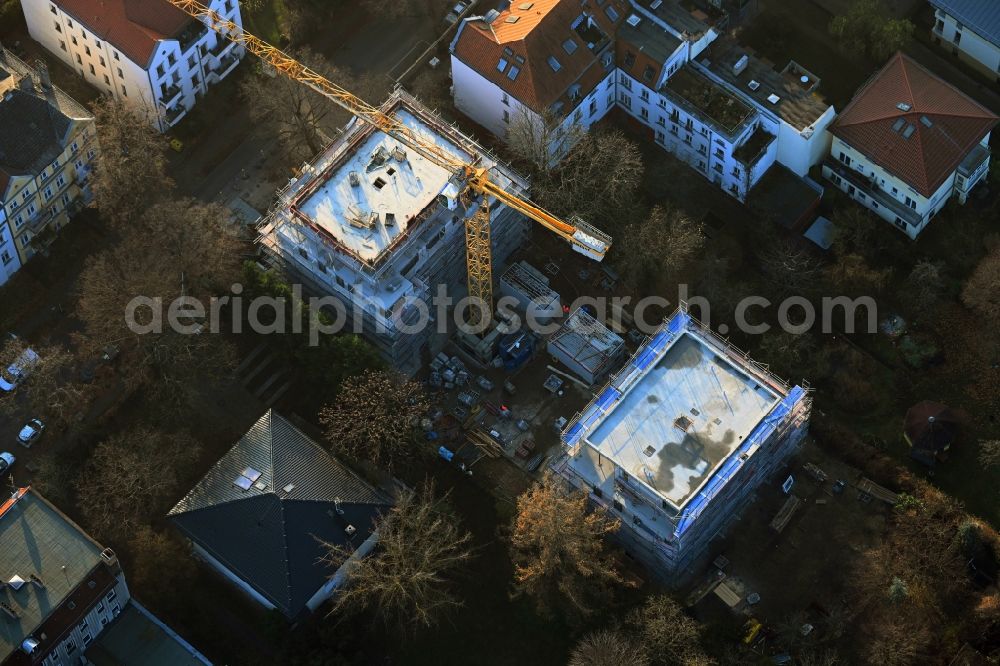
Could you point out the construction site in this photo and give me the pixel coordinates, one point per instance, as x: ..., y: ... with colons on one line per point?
x: 376, y: 224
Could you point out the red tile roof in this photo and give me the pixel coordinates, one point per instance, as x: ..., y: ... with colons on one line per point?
x: 534, y: 32
x: 904, y: 98
x: 132, y: 26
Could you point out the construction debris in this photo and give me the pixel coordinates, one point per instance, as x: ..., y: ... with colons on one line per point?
x: 785, y: 513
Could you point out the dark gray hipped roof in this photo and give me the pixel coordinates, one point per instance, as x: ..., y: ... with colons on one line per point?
x: 983, y: 16
x: 267, y: 535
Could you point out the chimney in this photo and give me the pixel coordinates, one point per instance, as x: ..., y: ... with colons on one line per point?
x: 42, y: 71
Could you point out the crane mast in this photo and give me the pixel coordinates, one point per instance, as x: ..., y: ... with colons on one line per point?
x: 582, y: 237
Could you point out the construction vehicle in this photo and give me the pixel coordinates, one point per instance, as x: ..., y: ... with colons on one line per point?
x: 474, y: 179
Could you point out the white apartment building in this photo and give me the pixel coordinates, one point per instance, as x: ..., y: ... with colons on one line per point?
x: 703, y: 97
x: 907, y: 143
x: 146, y: 52
x: 47, y: 146
x: 971, y: 29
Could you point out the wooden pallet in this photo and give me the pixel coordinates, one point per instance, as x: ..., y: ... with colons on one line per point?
x: 870, y: 488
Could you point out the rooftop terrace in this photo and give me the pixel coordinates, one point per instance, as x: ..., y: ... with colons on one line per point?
x: 792, y: 92
x: 725, y: 110
x: 372, y: 191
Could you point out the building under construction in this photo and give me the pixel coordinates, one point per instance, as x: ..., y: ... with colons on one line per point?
x: 676, y: 444
x: 380, y: 227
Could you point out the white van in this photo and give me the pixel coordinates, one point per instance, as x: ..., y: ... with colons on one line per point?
x: 18, y: 370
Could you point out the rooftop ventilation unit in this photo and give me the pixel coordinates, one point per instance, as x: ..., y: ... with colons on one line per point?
x: 633, y: 20
x: 773, y: 99
x: 350, y: 530
x: 753, y: 85
x: 525, y: 6
x: 16, y: 582
x: 399, y: 154
x: 512, y: 19
x: 354, y: 178
x: 903, y: 106
x: 491, y: 16
x: 741, y: 65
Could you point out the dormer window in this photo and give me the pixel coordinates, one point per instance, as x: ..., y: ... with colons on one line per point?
x: 629, y: 59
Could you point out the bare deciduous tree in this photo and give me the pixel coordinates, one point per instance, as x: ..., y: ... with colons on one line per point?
x: 408, y: 579
x: 925, y: 284
x: 541, y: 140
x: 131, y: 171
x: 131, y: 475
x: 982, y: 290
x: 181, y: 248
x: 558, y: 549
x: 159, y: 563
x: 393, y: 9
x: 599, y: 181
x: 51, y: 389
x: 375, y: 417
x: 789, y: 266
x: 301, y: 118
x: 659, y: 246
x: 607, y: 647
x: 989, y: 452
x: 670, y: 637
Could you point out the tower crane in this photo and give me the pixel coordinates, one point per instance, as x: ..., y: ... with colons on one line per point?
x: 475, y: 178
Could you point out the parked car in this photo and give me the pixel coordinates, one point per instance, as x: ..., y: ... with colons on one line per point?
x: 30, y: 433
x: 6, y: 462
x: 18, y: 370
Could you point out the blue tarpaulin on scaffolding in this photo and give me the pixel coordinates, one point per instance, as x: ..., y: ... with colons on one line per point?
x: 731, y: 466
x: 646, y: 356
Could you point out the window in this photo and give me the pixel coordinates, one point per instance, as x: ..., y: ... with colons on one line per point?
x: 69, y: 22
x: 629, y: 58
x: 116, y: 55
x: 73, y: 39
x: 58, y: 27
x: 574, y: 92
x: 78, y: 60
x: 660, y: 137
x: 648, y: 73
x: 845, y: 158
x: 644, y: 112
x: 86, y: 50
x: 506, y: 116
x: 611, y: 12
x: 625, y: 82
x: 86, y: 639
x: 958, y: 38
x: 662, y: 103
x: 65, y: 198
x: 107, y: 81
x: 102, y: 62
x: 577, y: 116
x: 60, y: 180
x: 592, y: 109
x: 70, y: 647
x: 513, y: 72
x: 569, y: 46
x: 625, y: 100
x: 121, y: 75
x: 116, y: 609
x: 52, y: 8
x: 736, y: 172
x: 661, y: 121
x: 92, y: 69
x: 190, y: 62
x: 48, y: 193
x: 911, y: 203
x: 554, y: 64
x: 6, y: 257
x: 97, y: 43
x: 505, y: 99
x: 74, y: 146
x: 644, y: 95
x: 62, y: 45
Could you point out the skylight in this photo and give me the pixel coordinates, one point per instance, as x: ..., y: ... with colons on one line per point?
x: 554, y: 64
x: 926, y: 122
x: 903, y: 106
x: 247, y: 478
x: 898, y: 125
x: 502, y: 65
x: 525, y: 6
x: 611, y: 12
x: 633, y: 20
x: 512, y: 19
x: 908, y: 132
x: 513, y: 72
x: 569, y: 46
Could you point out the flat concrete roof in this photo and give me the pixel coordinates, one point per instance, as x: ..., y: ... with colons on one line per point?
x: 37, y: 540
x: 370, y: 197
x: 679, y: 422
x: 138, y: 637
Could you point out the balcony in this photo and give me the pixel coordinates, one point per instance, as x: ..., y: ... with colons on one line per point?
x: 170, y: 94
x: 174, y: 114
x: 754, y: 148
x: 974, y: 165
x: 870, y: 189
x: 226, y: 64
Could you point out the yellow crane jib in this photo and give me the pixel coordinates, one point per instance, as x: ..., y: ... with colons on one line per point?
x: 582, y: 237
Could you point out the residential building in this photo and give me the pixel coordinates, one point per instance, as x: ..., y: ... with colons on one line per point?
x: 47, y: 147
x: 139, y: 637
x: 702, y: 96
x: 146, y: 52
x: 907, y: 143
x: 679, y: 440
x: 260, y: 513
x: 971, y: 29
x: 59, y: 588
x: 377, y: 227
